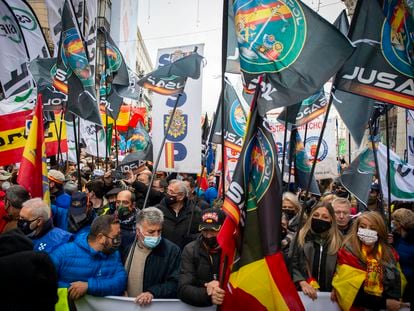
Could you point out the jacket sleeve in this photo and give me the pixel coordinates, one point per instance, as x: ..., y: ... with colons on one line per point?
x: 187, y: 290
x: 298, y: 263
x: 168, y: 289
x: 113, y: 284
x: 57, y: 257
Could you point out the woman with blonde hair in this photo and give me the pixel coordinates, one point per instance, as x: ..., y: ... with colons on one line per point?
x: 291, y: 208
x: 314, y: 256
x: 367, y: 275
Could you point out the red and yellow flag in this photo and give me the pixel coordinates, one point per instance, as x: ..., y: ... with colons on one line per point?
x: 33, y: 167
x: 258, y: 279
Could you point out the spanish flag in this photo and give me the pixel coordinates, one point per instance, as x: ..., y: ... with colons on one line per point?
x: 33, y: 167
x: 254, y: 272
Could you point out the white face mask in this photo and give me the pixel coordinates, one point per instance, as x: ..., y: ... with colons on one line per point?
x: 367, y: 236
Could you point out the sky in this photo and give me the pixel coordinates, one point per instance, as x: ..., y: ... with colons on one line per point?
x: 173, y: 23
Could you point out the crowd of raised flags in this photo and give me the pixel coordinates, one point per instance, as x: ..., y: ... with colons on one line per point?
x: 286, y: 54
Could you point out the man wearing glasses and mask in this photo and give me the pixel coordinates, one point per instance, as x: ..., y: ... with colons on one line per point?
x: 91, y: 264
x: 36, y: 223
x: 181, y: 216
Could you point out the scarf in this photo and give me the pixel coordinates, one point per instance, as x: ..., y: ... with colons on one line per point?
x: 373, y: 279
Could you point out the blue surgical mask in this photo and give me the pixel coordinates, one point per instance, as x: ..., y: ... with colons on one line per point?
x: 152, y: 241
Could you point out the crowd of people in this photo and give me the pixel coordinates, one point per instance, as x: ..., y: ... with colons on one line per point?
x: 97, y: 238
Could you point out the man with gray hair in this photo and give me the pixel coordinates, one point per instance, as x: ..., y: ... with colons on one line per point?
x: 37, y: 224
x: 342, y: 208
x: 152, y: 262
x: 182, y: 216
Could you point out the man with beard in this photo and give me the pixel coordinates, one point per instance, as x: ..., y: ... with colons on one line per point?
x: 181, y: 217
x: 36, y: 223
x: 198, y: 283
x: 91, y: 264
x: 126, y: 212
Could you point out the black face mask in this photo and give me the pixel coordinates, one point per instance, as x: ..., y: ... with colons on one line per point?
x: 110, y: 249
x: 169, y: 199
x: 290, y: 213
x: 24, y: 225
x: 320, y: 226
x: 342, y: 194
x: 211, y: 242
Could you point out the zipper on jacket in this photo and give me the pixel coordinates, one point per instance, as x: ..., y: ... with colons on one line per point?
x: 320, y: 260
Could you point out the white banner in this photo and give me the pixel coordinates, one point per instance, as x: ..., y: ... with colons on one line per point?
x: 401, y: 176
x: 89, y: 136
x: 185, y: 131
x: 110, y: 303
x: 32, y: 32
x: 410, y: 137
x: 14, y: 74
x: 70, y: 137
x: 327, y: 166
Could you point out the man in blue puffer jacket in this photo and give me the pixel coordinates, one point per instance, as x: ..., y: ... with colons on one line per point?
x: 91, y: 264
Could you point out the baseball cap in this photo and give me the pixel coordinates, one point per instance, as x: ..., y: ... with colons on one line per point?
x: 211, y: 219
x: 113, y: 191
x: 56, y: 176
x: 78, y: 205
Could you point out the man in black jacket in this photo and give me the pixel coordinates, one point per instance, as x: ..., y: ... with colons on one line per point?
x: 152, y: 263
x: 181, y: 217
x: 200, y: 263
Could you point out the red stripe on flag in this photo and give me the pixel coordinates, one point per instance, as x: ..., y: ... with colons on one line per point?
x: 283, y: 281
x: 238, y: 299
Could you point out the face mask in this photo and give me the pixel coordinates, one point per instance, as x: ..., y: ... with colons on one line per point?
x: 151, y: 241
x: 210, y: 242
x: 109, y: 249
x: 290, y: 213
x: 319, y: 225
x: 170, y: 199
x: 123, y: 212
x: 24, y: 225
x: 342, y: 194
x: 367, y: 236
x: 211, y: 184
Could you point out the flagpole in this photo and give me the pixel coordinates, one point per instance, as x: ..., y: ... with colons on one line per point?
x: 154, y: 170
x: 223, y: 144
x: 291, y: 156
x: 372, y: 133
x: 116, y: 143
x: 106, y: 139
x: 337, y: 145
x: 97, y: 145
x: 388, y: 166
x: 77, y: 152
x: 284, y: 144
x: 349, y: 148
x: 306, y: 134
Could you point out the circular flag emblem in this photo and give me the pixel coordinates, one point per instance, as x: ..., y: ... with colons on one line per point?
x: 397, y: 37
x: 237, y: 118
x: 311, y: 145
x: 271, y: 34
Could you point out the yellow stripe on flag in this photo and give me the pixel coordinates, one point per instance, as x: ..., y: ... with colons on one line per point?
x: 347, y: 282
x: 169, y: 155
x: 256, y: 280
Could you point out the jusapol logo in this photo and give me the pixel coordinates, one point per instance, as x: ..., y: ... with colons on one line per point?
x: 271, y: 34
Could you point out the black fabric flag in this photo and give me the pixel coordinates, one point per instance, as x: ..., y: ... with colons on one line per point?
x: 72, y: 74
x: 342, y: 23
x: 170, y: 79
x: 304, y: 112
x: 382, y: 66
x: 297, y: 49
